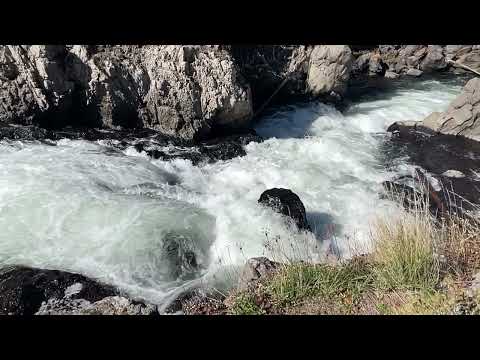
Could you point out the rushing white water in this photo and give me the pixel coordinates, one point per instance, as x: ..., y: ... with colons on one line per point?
x: 83, y: 207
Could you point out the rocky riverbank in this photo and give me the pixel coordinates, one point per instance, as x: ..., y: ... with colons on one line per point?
x: 199, y: 103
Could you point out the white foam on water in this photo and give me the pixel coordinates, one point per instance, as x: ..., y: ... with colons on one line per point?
x: 107, y: 214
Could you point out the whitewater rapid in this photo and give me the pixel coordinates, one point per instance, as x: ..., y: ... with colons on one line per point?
x: 85, y: 207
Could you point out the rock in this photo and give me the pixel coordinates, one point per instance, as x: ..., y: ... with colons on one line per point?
x: 24, y: 289
x: 221, y: 147
x: 329, y: 70
x: 438, y: 153
x: 255, y: 270
x: 470, y: 59
x: 414, y: 72
x: 391, y: 75
x: 432, y: 121
x: 460, y: 119
x: 25, y: 133
x: 112, y: 305
x: 434, y: 59
x: 376, y: 66
x: 362, y: 62
x: 412, y: 198
x: 266, y: 67
x: 180, y: 258
x: 287, y: 203
x: 33, y: 82
x: 182, y: 91
x: 453, y: 173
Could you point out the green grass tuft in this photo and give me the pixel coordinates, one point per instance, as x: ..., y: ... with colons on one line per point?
x: 244, y: 304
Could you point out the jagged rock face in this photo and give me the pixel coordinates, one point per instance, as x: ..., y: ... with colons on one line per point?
x: 329, y: 69
x: 32, y: 82
x: 193, y: 89
x: 461, y: 116
x: 183, y: 91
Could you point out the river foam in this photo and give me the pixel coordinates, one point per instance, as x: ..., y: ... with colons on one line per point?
x: 112, y: 215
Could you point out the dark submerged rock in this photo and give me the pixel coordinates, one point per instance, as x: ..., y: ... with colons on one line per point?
x: 287, y: 203
x: 438, y: 154
x: 222, y: 146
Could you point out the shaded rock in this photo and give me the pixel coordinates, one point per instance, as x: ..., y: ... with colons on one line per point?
x: 414, y: 72
x: 265, y: 67
x: 24, y: 289
x: 460, y: 119
x: 254, y: 270
x: 217, y: 149
x: 181, y: 260
x: 438, y: 154
x: 28, y: 133
x: 376, y: 65
x: 361, y: 63
x: 329, y: 70
x: 412, y: 199
x: 287, y: 203
x: 158, y: 146
x: 434, y: 59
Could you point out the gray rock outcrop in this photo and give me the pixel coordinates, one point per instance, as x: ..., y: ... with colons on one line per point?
x: 329, y: 69
x: 179, y: 90
x: 461, y: 117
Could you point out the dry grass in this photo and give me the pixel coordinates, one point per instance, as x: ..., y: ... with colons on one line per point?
x: 405, y: 253
x: 421, y: 263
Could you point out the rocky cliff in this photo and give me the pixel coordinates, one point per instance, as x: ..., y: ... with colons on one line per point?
x: 187, y: 92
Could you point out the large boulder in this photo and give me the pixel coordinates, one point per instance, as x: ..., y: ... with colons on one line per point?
x: 460, y: 119
x: 329, y: 70
x: 287, y: 203
x: 434, y: 60
x: 256, y: 269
